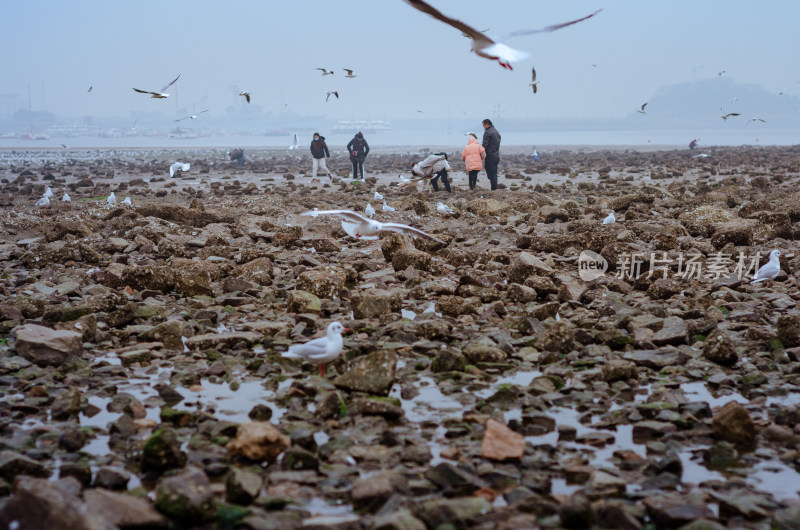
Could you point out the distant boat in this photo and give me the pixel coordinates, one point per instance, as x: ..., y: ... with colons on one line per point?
x: 182, y: 134
x: 7, y: 136
x: 34, y: 136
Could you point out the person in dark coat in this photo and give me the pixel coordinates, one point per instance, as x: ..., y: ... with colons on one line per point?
x: 358, y: 149
x: 319, y: 152
x: 237, y: 155
x: 491, y: 142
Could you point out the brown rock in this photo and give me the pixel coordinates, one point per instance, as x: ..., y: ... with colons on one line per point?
x: 733, y: 424
x: 258, y: 441
x: 45, y: 346
x: 324, y: 282
x: 259, y: 271
x: 501, y: 443
x: 526, y: 264
x: 411, y: 257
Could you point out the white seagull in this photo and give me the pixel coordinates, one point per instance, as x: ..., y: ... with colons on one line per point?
x: 127, y: 201
x: 328, y: 94
x: 369, y: 210
x: 641, y: 110
x: 444, y: 209
x: 325, y: 72
x: 534, y: 82
x: 295, y: 143
x: 387, y: 208
x: 48, y: 192
x: 160, y: 94
x: 111, y: 198
x: 192, y: 117
x: 44, y: 201
x: 178, y: 166
x: 349, y: 73
x: 66, y: 197
x: 770, y: 269
x: 359, y: 227
x: 378, y: 196
x: 322, y: 350
x: 246, y: 95
x: 485, y: 46
x: 610, y: 219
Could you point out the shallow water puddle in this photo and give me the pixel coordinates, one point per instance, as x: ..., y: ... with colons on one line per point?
x: 231, y: 405
x: 430, y: 404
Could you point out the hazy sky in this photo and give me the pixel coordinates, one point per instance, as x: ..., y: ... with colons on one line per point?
x: 405, y: 60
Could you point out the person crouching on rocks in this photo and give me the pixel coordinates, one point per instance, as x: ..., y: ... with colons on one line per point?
x: 319, y: 152
x: 473, y: 155
x: 435, y: 164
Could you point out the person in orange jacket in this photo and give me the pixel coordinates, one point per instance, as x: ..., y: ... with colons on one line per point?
x: 473, y: 155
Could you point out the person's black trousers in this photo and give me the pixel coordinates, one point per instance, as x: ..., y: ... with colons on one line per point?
x: 491, y: 170
x: 473, y: 178
x: 443, y: 175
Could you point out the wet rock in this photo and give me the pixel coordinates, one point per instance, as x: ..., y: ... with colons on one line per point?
x: 13, y: 465
x: 455, y: 306
x: 576, y: 512
x: 55, y: 505
x: 258, y: 441
x: 44, y: 346
x: 186, y: 497
x: 72, y: 439
x: 619, y: 370
x: 786, y: 518
x: 123, y: 511
x: 733, y: 424
x: 521, y: 294
x: 663, y: 288
x: 66, y: 404
x: 737, y: 233
x: 228, y: 339
x: 260, y: 412
x: 674, y: 510
x: 370, y: 494
x: 112, y: 478
x: 324, y: 282
x: 400, y: 520
x: 655, y: 359
x: 242, y: 487
x: 719, y: 348
x: 385, y: 407
x: 259, y: 270
x: 448, y: 360
x: 501, y: 443
x: 162, y: 451
x: 524, y: 265
x: 456, y: 512
x: 373, y: 373
x: 559, y: 338
x: 603, y: 484
x: 483, y: 351
x: 411, y: 257
x: 674, y: 332
x: 79, y: 470
x: 375, y: 303
x: 789, y: 330
x: 303, y: 302
x: 487, y: 207
x: 150, y: 277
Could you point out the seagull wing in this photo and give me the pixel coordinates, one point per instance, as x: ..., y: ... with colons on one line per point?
x: 471, y: 32
x: 397, y: 227
x: 247, y: 97
x: 533, y: 76
x: 545, y: 29
x: 308, y: 350
x: 169, y: 85
x: 350, y: 215
x: 767, y: 272
x: 202, y: 111
x: 146, y: 92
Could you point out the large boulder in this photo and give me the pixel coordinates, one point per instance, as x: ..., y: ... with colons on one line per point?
x: 44, y: 346
x: 259, y: 270
x: 54, y: 505
x: 373, y: 373
x: 733, y: 424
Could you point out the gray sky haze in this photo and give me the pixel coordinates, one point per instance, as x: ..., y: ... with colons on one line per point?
x: 405, y: 60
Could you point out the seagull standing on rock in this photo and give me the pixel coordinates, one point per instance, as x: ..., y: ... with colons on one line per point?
x: 444, y: 209
x: 48, y: 192
x: 127, y: 201
x: 610, y: 219
x: 359, y: 227
x: 770, y: 270
x: 369, y: 210
x: 66, y: 197
x: 111, y: 198
x: 322, y: 350
x: 378, y: 196
x: 44, y: 201
x: 387, y: 208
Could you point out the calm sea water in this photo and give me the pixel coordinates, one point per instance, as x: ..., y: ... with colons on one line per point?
x: 734, y: 136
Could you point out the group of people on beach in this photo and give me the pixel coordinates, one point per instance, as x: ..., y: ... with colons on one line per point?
x: 476, y: 156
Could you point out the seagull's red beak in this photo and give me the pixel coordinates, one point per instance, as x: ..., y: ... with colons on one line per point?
x: 348, y: 330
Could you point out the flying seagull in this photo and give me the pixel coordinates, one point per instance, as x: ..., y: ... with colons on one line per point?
x: 534, y: 82
x: 64, y: 146
x: 162, y: 93
x: 192, y: 117
x: 360, y: 227
x: 246, y: 95
x: 482, y: 44
x: 178, y: 166
x: 641, y: 110
x: 756, y: 119
x: 728, y: 115
x: 295, y: 143
x: 90, y: 89
x: 325, y: 72
x: 720, y: 74
x: 349, y: 72
x: 328, y: 94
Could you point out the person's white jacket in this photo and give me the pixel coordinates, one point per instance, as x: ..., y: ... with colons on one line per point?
x: 430, y: 166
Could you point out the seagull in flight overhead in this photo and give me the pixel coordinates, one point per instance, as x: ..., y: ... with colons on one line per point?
x: 328, y: 94
x: 246, y: 95
x: 360, y: 227
x: 485, y: 46
x: 756, y: 119
x: 90, y: 89
x: 728, y: 115
x: 325, y: 72
x: 295, y: 143
x: 720, y: 74
x: 192, y: 117
x: 349, y: 72
x: 641, y: 110
x: 162, y: 93
x: 534, y: 82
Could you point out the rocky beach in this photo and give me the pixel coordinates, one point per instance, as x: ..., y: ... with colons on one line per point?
x: 539, y: 370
